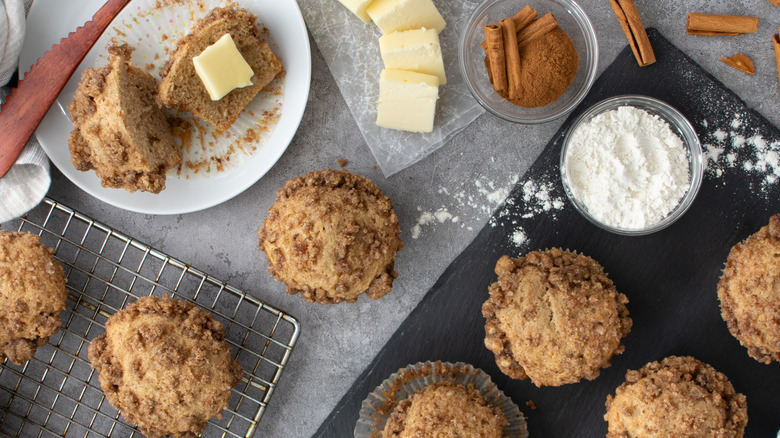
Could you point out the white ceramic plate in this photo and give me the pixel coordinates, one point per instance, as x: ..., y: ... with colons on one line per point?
x: 49, y: 20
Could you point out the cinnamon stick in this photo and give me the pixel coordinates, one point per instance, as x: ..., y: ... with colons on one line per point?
x: 741, y: 62
x: 628, y: 17
x: 712, y: 33
x: 496, y: 57
x: 776, y: 43
x: 715, y: 25
x: 536, y: 29
x: 489, y: 71
x: 525, y: 17
x: 512, y: 57
x: 522, y: 19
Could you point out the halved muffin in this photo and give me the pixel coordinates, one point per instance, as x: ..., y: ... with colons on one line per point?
x: 118, y: 129
x: 182, y: 89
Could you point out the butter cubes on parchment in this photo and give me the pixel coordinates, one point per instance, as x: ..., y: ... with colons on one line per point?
x: 411, y: 52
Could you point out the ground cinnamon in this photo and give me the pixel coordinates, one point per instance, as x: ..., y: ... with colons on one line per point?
x: 548, y: 66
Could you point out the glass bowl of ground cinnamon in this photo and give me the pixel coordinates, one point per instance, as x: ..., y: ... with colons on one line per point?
x: 528, y: 61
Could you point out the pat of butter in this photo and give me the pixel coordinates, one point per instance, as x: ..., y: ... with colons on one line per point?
x: 415, y: 50
x: 407, y: 100
x: 398, y: 15
x: 222, y: 68
x: 358, y: 7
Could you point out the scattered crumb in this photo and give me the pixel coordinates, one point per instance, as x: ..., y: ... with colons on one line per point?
x: 531, y: 404
x: 342, y: 162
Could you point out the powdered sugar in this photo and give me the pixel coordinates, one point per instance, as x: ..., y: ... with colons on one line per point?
x: 627, y: 167
x: 519, y: 237
x: 471, y: 203
x: 540, y: 197
x: 467, y: 205
x: 742, y: 149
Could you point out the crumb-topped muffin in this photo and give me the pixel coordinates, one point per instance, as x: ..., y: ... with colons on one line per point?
x: 182, y: 89
x: 118, y: 129
x: 165, y: 364
x: 553, y: 316
x: 445, y: 409
x: 679, y: 396
x: 331, y: 236
x: 749, y: 292
x: 439, y: 399
x: 32, y: 295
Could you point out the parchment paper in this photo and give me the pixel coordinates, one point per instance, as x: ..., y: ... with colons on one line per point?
x: 351, y: 50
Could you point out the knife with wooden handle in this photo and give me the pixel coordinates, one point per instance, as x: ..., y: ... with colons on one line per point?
x: 33, y: 96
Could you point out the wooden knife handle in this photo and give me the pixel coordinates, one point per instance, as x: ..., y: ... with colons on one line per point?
x: 33, y: 96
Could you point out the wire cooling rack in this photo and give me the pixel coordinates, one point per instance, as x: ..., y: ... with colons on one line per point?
x: 58, y: 394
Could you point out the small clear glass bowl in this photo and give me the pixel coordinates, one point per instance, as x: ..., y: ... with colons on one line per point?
x: 679, y: 125
x: 471, y: 58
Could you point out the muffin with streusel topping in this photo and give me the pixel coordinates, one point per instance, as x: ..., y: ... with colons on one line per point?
x: 445, y: 409
x: 749, y: 292
x: 553, y: 316
x: 165, y: 364
x: 678, y: 396
x: 32, y: 295
x: 332, y: 236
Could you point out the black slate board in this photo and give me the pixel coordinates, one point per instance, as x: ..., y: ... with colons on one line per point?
x: 670, y: 277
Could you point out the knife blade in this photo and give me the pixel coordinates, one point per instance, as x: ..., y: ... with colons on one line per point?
x: 31, y: 99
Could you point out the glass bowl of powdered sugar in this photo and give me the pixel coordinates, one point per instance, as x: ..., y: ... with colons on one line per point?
x: 631, y: 164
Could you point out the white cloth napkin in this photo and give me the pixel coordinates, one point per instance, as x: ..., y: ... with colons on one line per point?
x: 28, y: 180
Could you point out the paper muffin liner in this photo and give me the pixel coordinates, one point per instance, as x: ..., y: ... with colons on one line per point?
x: 152, y: 28
x: 377, y: 407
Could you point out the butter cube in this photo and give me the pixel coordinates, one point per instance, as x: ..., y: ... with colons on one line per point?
x: 222, y: 68
x: 398, y: 15
x: 416, y: 50
x: 407, y: 100
x: 358, y: 7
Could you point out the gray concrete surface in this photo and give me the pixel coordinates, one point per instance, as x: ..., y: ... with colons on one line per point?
x: 339, y: 341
